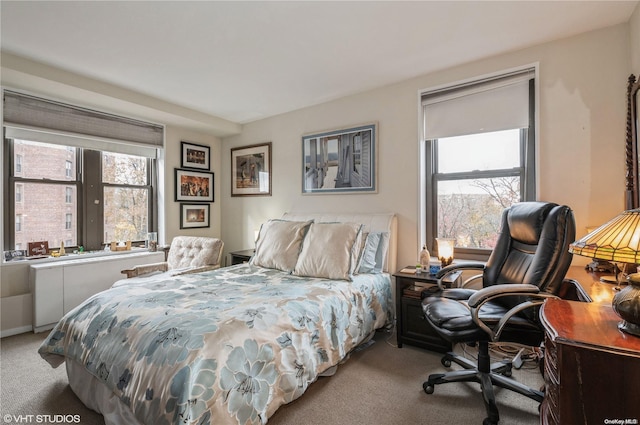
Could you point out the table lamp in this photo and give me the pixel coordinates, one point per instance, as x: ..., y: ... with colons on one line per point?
x: 445, y: 250
x: 618, y: 241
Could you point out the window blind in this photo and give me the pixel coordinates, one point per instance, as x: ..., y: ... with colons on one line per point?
x: 489, y: 105
x: 28, y: 117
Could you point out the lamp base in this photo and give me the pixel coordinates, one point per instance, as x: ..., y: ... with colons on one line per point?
x: 629, y: 328
x: 626, y: 304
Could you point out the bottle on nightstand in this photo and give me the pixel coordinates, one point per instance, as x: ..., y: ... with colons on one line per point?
x: 424, y: 258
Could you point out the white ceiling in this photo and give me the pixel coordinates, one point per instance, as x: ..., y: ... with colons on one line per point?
x: 243, y: 61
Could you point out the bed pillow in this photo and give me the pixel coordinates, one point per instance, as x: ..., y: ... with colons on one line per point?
x: 382, y: 252
x: 279, y: 244
x: 330, y: 250
x: 367, y: 262
x: 373, y: 254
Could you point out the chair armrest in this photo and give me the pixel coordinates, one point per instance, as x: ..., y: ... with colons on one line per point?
x: 570, y: 289
x: 145, y: 269
x: 445, y: 271
x: 478, y: 299
x: 495, y: 291
x: 196, y: 270
x: 459, y: 266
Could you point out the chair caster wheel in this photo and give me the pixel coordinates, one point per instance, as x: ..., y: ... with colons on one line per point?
x: 507, y: 373
x: 488, y: 421
x: 445, y: 362
x: 427, y: 388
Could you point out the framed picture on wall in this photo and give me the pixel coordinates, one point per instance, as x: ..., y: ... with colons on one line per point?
x: 194, y: 216
x: 195, y: 156
x: 193, y: 186
x: 251, y: 170
x: 340, y: 161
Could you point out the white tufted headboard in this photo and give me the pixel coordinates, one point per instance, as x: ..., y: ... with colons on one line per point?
x: 373, y: 222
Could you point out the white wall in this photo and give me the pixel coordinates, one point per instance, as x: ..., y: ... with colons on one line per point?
x: 634, y: 35
x: 582, y: 82
x: 173, y: 137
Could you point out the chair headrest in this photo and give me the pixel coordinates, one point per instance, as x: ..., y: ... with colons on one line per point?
x: 526, y: 221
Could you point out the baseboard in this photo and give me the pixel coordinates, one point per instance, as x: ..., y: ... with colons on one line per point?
x: 16, y: 315
x: 15, y: 331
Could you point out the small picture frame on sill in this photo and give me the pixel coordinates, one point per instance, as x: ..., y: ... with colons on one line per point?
x: 195, y: 156
x: 194, y: 216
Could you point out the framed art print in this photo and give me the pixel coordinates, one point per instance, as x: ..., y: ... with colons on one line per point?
x: 194, y: 216
x: 340, y: 161
x: 251, y: 170
x: 193, y: 186
x: 195, y: 156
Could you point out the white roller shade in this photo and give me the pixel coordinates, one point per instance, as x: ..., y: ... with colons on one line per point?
x: 31, y: 118
x: 486, y: 106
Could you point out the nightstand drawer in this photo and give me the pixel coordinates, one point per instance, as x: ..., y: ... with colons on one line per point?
x: 411, y: 325
x: 417, y: 330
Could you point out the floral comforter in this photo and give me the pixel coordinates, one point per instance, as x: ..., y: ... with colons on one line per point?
x: 227, y: 346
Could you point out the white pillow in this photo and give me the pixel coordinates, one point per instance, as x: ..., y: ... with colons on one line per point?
x: 367, y: 262
x: 330, y: 250
x: 374, y: 253
x: 279, y: 243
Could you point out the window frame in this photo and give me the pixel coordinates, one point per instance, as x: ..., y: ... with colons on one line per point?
x: 149, y: 186
x: 429, y: 176
x: 89, y: 186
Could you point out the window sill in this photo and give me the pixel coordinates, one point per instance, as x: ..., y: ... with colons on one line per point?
x: 71, y: 257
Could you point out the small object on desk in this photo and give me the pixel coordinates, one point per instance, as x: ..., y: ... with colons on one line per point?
x: 408, y: 270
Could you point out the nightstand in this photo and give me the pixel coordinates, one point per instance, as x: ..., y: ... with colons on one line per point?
x: 239, y: 257
x: 411, y: 325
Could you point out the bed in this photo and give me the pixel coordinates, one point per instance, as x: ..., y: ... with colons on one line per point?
x: 230, y: 346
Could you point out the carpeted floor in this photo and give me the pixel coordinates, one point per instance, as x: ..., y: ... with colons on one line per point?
x: 380, y: 384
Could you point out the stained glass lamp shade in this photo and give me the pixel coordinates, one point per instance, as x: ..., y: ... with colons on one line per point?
x: 618, y: 241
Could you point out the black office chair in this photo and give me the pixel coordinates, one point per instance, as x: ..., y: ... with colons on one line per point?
x: 527, y: 266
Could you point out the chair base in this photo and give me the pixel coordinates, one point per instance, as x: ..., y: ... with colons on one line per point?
x: 485, y: 373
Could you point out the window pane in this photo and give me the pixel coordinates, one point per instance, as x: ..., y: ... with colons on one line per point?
x: 34, y: 160
x: 45, y: 215
x: 124, y: 169
x: 485, y: 151
x: 469, y: 211
x: 126, y: 214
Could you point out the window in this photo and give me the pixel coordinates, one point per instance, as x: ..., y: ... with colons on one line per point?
x: 79, y: 175
x: 122, y: 195
x: 41, y: 193
x: 475, y: 167
x: 18, y: 193
x: 126, y: 192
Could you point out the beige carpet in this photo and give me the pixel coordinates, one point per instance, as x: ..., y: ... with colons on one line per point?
x: 380, y: 384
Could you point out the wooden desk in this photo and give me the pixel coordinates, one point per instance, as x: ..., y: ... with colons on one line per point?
x: 599, y: 292
x: 592, y: 369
